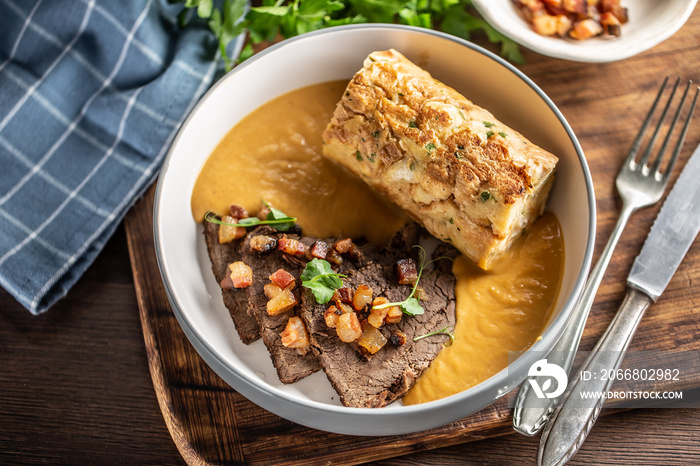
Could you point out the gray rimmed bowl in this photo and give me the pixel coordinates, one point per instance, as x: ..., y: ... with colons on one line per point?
x: 334, y: 54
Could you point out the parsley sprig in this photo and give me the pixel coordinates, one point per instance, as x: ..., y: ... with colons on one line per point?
x: 275, y: 218
x: 321, y: 280
x: 273, y: 18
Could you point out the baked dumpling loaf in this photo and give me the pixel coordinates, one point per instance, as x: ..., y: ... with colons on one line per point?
x: 450, y: 164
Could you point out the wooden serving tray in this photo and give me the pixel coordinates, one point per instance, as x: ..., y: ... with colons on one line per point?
x: 212, y: 424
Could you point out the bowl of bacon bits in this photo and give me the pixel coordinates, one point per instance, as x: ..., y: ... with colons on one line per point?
x: 587, y: 30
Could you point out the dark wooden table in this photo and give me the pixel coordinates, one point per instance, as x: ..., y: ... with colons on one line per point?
x: 75, y: 385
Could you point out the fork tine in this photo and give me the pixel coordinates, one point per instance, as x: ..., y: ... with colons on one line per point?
x: 667, y: 140
x: 681, y: 139
x: 652, y: 141
x: 638, y: 140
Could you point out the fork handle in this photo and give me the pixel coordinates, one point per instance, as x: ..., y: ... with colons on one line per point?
x: 531, y: 412
x: 574, y: 417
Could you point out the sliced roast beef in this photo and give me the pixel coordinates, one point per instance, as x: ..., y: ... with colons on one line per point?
x: 374, y: 382
x: 290, y: 364
x: 235, y: 300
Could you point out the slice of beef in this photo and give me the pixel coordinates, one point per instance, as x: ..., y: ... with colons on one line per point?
x: 290, y: 364
x: 235, y: 300
x: 392, y: 371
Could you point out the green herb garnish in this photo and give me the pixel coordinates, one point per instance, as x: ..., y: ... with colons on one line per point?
x: 276, y: 218
x: 412, y: 124
x: 430, y: 147
x: 375, y: 134
x: 502, y: 134
x: 489, y: 134
x: 443, y: 331
x: 485, y: 196
x: 358, y: 156
x: 273, y: 18
x: 488, y: 124
x: 411, y: 305
x: 321, y: 280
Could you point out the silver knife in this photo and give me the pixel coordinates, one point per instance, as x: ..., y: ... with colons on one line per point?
x: 671, y: 235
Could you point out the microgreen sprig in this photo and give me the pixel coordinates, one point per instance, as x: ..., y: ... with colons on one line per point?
x: 443, y: 331
x: 275, y: 218
x: 321, y: 280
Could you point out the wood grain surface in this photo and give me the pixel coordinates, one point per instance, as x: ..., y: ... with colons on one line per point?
x: 605, y: 105
x: 75, y: 385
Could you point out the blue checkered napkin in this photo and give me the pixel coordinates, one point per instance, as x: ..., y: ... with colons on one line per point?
x: 91, y: 93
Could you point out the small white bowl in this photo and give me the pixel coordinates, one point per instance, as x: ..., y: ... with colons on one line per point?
x: 650, y: 23
x: 334, y: 54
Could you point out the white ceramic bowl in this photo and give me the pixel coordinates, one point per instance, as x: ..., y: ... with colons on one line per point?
x: 650, y: 23
x: 328, y: 55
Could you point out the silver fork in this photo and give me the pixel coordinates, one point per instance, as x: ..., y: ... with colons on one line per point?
x: 640, y: 184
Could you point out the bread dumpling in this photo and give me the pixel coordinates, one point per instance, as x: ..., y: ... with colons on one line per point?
x: 451, y: 165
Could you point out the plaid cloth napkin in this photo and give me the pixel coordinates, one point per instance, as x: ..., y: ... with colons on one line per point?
x: 91, y: 93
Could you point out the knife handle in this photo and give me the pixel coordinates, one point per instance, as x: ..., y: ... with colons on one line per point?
x: 574, y: 417
x: 530, y: 412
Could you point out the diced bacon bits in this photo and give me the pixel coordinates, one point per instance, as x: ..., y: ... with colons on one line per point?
x: 238, y: 275
x: 294, y: 334
x: 343, y: 245
x: 362, y: 297
x: 371, y: 339
x: 263, y: 213
x: 585, y: 29
x: 271, y: 290
x: 390, y: 315
x: 348, y: 327
x: 578, y: 19
x: 319, y: 250
x: 291, y: 246
x: 376, y: 317
x: 334, y: 257
x: 283, y: 302
x: 343, y: 294
x: 283, y: 278
x: 393, y: 315
x: 406, y: 271
x: 331, y: 316
x: 228, y: 233
x: 263, y: 243
x: 397, y: 338
x: 237, y: 212
x: 344, y: 308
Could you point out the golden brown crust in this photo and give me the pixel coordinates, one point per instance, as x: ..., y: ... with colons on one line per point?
x: 450, y: 164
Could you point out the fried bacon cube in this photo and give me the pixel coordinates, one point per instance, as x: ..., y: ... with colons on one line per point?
x: 331, y: 316
x: 348, y: 327
x: 319, y: 250
x: 230, y: 232
x: 362, y: 297
x: 371, y: 339
x: 343, y: 294
x: 283, y: 278
x: 343, y: 245
x: 238, y: 275
x: 406, y: 271
x: 283, y: 302
x: 262, y: 243
x: 291, y: 246
x: 237, y: 211
x: 295, y: 334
